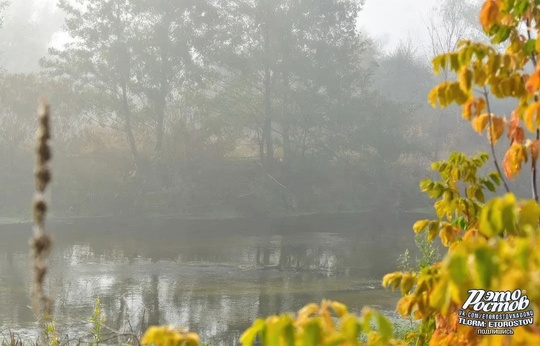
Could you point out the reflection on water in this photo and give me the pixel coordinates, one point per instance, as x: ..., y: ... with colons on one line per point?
x: 213, y: 280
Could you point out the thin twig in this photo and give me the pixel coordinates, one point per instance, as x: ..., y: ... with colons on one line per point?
x: 495, y: 162
x: 533, y: 162
x: 533, y: 55
x: 134, y: 334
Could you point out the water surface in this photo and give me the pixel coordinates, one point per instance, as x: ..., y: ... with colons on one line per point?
x: 211, y: 276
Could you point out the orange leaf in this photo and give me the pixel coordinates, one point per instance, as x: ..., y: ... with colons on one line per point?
x: 480, y: 123
x: 467, y: 109
x: 480, y: 105
x: 533, y: 83
x: 515, y: 132
x: 519, y: 136
x: 489, y: 13
x: 514, y: 157
x: 497, y: 129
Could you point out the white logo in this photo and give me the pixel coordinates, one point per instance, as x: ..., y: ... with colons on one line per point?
x: 492, y: 301
x: 496, y: 312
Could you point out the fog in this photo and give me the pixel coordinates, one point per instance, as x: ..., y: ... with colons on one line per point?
x: 280, y: 128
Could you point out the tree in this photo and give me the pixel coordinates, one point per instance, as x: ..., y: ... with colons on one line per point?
x: 450, y: 22
x: 492, y: 244
x: 291, y: 53
x: 172, y: 35
x: 99, y: 55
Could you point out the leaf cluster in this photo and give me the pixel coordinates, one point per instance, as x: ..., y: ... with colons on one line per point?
x: 327, y: 324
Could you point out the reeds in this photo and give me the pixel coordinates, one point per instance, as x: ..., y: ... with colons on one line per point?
x: 41, y: 242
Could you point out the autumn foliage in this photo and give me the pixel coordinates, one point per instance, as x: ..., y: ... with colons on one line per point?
x: 491, y: 245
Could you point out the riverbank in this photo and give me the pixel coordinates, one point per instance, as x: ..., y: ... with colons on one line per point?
x: 315, y: 222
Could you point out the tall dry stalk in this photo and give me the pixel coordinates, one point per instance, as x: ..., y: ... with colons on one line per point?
x: 40, y: 242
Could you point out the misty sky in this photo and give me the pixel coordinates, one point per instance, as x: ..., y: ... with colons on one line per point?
x: 390, y: 21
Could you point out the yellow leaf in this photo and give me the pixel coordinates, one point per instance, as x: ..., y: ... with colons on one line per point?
x: 405, y: 305
x: 339, y: 308
x: 420, y: 225
x: 392, y: 279
x: 480, y: 123
x: 192, y: 339
x: 407, y: 282
x: 447, y: 234
x: 307, y: 311
x: 532, y: 116
x: 497, y: 129
x: 465, y: 79
x: 432, y: 98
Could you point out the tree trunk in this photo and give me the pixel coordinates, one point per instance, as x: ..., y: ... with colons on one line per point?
x: 129, y: 128
x: 160, y: 115
x: 267, y: 129
x: 286, y: 124
x: 164, y: 87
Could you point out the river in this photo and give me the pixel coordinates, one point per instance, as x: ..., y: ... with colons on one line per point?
x: 210, y: 276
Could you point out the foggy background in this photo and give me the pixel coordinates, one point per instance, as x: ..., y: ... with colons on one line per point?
x: 251, y: 108
x: 217, y: 161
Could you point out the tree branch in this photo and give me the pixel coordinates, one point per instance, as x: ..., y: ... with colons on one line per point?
x: 495, y: 162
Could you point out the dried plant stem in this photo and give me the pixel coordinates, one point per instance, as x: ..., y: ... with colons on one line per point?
x: 495, y: 162
x: 40, y: 243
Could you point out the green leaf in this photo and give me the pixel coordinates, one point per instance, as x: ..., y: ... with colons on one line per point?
x: 523, y: 254
x: 433, y: 230
x: 479, y: 195
x: 426, y: 185
x: 385, y: 327
x: 529, y: 46
x: 520, y: 7
x: 486, y: 267
x: 312, y: 332
x: 436, y: 191
x: 440, y: 297
x: 350, y: 327
x: 494, y: 176
x: 508, y: 213
x: 457, y: 266
x: 489, y: 185
x: 484, y: 157
x: 502, y: 34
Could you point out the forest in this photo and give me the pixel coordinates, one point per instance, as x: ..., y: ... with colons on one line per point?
x: 200, y: 109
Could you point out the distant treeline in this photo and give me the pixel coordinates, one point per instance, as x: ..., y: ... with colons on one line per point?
x: 212, y: 108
